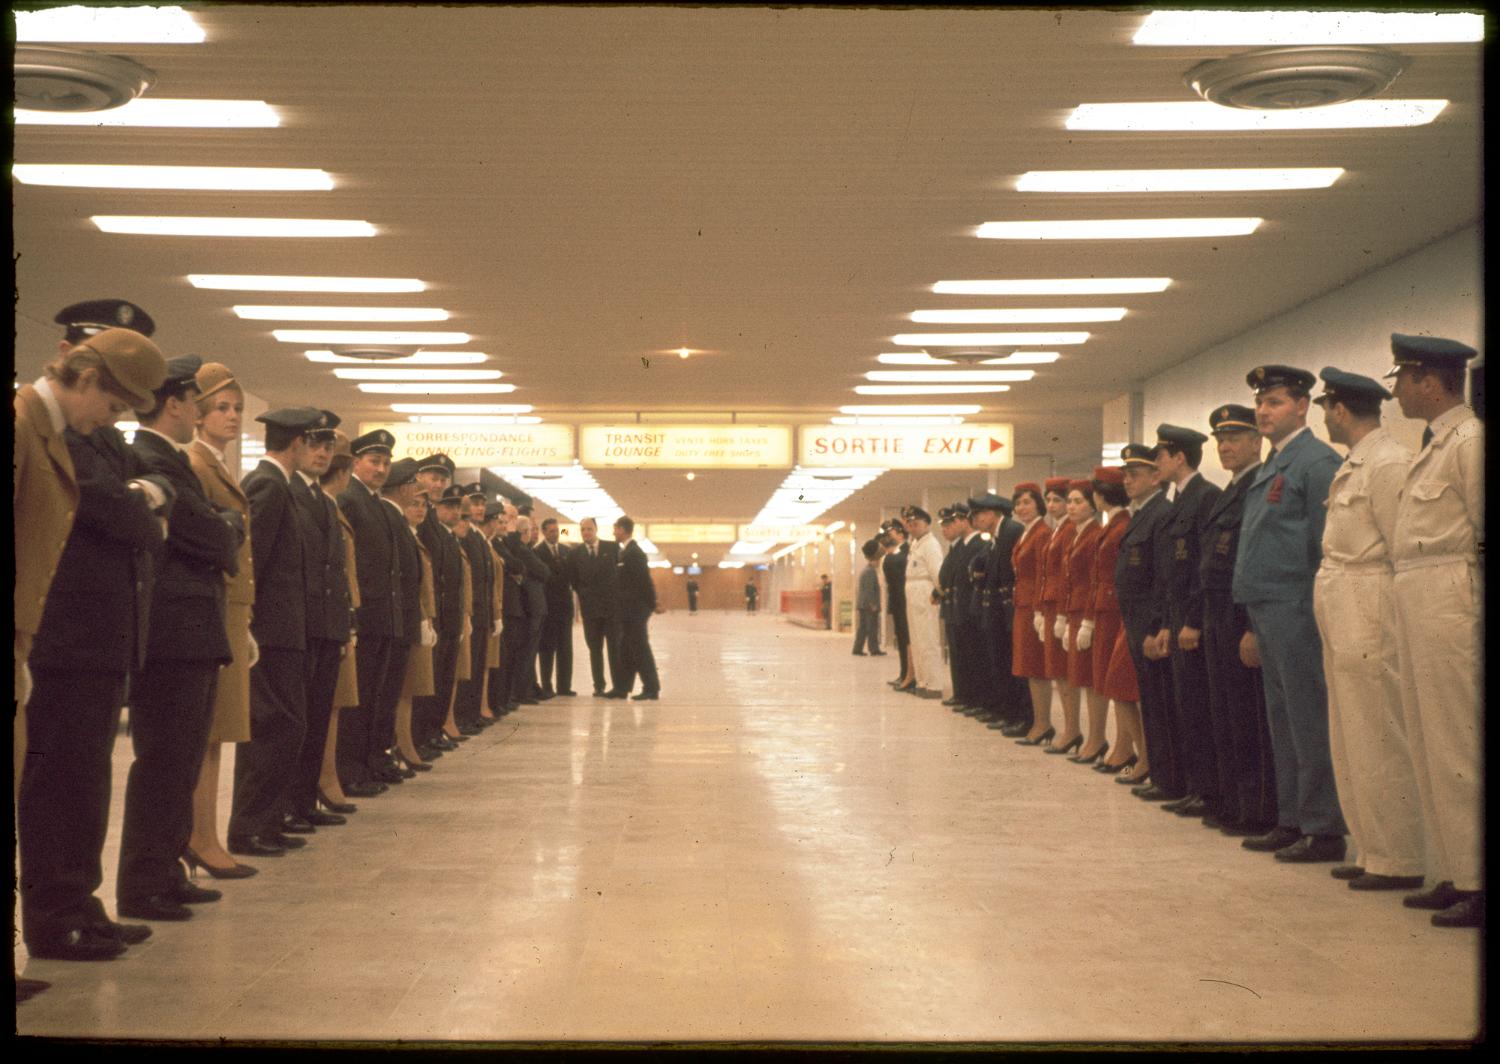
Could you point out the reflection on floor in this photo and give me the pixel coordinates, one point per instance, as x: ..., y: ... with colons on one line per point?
x: 781, y: 848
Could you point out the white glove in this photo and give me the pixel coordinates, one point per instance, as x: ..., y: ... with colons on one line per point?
x: 25, y: 691
x: 154, y: 495
x: 1060, y: 629
x: 498, y: 624
x: 254, y: 651
x: 1085, y: 635
x: 429, y: 634
x: 1039, y: 623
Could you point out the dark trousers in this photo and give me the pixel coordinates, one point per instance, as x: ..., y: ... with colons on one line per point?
x: 636, y: 658
x: 429, y: 712
x: 530, y: 688
x: 897, y: 610
x: 515, y: 680
x: 1192, y: 726
x: 867, y: 631
x: 693, y: 603
x: 556, y: 650
x: 1242, y: 741
x: 266, y: 766
x: 468, y: 696
x: 358, y: 726
x: 1004, y: 694
x: 323, y: 657
x: 171, y: 710
x: 602, y: 636
x: 63, y: 813
x: 383, y: 736
x: 1154, y: 678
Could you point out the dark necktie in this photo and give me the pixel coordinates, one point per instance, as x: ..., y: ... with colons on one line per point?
x: 1426, y: 436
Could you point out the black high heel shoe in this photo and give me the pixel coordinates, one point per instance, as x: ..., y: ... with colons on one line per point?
x: 1110, y: 770
x: 1074, y: 744
x: 324, y: 802
x: 908, y: 687
x: 234, y: 871
x: 1046, y: 736
x: 1097, y: 756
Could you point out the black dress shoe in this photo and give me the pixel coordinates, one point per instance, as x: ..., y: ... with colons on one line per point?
x: 645, y: 696
x: 26, y: 989
x: 1237, y: 830
x: 952, y: 702
x: 319, y: 819
x: 186, y: 893
x: 292, y: 824
x: 154, y: 907
x: 1374, y: 881
x: 1195, y: 807
x: 429, y: 753
x: 1348, y: 871
x: 1151, y: 793
x: 129, y: 934
x: 545, y: 696
x: 371, y: 789
x: 286, y: 842
x: 616, y: 693
x: 858, y: 653
x: 254, y: 846
x: 511, y: 707
x: 80, y: 944
x: 1441, y: 896
x: 1468, y: 912
x: 1179, y: 803
x: 1311, y: 849
x: 598, y: 692
x: 416, y: 766
x: 1278, y: 838
x: 877, y: 653
x: 335, y: 807
x: 1115, y: 770
x: 1013, y: 729
x: 567, y: 694
x: 469, y: 730
x: 529, y: 701
x: 1211, y: 820
x: 386, y: 774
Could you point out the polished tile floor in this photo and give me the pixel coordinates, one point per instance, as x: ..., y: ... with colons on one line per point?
x: 781, y: 848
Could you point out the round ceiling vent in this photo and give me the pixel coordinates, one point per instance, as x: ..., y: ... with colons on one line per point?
x: 1273, y: 79
x: 60, y: 79
x: 969, y: 356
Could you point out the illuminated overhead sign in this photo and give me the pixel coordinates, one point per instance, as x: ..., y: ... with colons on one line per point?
x: 908, y: 447
x: 685, y: 446
x: 682, y: 532
x: 767, y: 533
x: 481, y: 445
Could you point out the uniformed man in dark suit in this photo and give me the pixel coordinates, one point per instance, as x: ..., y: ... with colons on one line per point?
x: 1237, y: 712
x: 90, y: 638
x: 330, y: 622
x: 1179, y: 453
x: 81, y: 321
x: 383, y: 639
x: 955, y: 592
x: 429, y: 712
x: 556, y: 647
x: 534, y: 598
x: 1005, y: 704
x: 399, y: 490
x: 592, y: 574
x: 637, y: 604
x: 514, y: 633
x: 265, y: 767
x: 172, y: 696
x: 468, y: 699
x: 1137, y: 576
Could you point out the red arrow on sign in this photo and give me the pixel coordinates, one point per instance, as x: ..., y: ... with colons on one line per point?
x: 995, y: 445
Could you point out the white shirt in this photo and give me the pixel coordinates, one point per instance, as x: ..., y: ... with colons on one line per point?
x: 925, y: 559
x: 1174, y: 487
x: 1279, y: 447
x: 163, y: 435
x: 49, y: 400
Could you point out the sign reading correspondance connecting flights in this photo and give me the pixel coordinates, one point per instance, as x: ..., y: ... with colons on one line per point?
x: 482, y: 445
x: 685, y: 446
x: 898, y: 447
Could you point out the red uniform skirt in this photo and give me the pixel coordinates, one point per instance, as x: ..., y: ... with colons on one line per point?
x: 1106, y: 630
x: 1028, y: 657
x: 1054, y: 655
x: 1120, y: 681
x: 1080, y: 662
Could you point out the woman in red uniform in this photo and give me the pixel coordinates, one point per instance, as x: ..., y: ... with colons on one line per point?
x: 1048, y: 601
x: 1027, y: 655
x: 1101, y: 622
x: 1078, y: 577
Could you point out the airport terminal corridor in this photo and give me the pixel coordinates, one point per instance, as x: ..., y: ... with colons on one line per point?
x: 781, y: 848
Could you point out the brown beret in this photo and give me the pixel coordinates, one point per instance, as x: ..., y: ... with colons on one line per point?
x: 135, y: 363
x: 213, y: 376
x: 341, y: 445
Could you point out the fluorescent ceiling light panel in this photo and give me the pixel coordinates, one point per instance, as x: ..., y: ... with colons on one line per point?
x: 436, y: 389
x: 1018, y: 316
x: 1249, y: 179
x: 928, y: 389
x: 461, y: 408
x: 911, y: 408
x: 108, y: 25
x: 181, y: 225
x: 369, y: 336
x: 211, y: 178
x: 949, y: 376
x: 1191, y: 116
x: 1119, y: 228
x: 893, y: 422
x: 1267, y: 28
x: 988, y: 339
x: 473, y: 419
x: 420, y: 358
x: 271, y: 313
x: 181, y: 114
x: 248, y: 282
x: 417, y: 374
x: 1059, y: 286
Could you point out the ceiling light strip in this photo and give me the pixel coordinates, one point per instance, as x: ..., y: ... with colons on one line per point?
x: 1018, y: 316
x: 1057, y: 286
x: 175, y: 178
x: 181, y: 225
x: 1119, y: 228
x: 1200, y: 116
x: 273, y: 313
x: 1269, y: 28
x: 164, y: 113
x: 1263, y: 179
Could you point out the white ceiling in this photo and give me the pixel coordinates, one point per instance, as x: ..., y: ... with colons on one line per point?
x: 585, y: 187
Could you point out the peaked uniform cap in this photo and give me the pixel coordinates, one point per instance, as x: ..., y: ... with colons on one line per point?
x: 377, y: 442
x: 1231, y: 417
x: 93, y: 316
x: 1135, y: 454
x: 1428, y: 352
x: 1337, y: 384
x: 1275, y: 376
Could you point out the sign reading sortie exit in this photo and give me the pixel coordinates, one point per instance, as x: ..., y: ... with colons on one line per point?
x: 939, y: 447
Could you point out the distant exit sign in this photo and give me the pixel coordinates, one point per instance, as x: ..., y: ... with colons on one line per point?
x: 939, y: 447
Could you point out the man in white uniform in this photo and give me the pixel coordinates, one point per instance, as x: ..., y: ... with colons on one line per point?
x: 1352, y: 602
x: 922, y: 567
x: 1437, y: 552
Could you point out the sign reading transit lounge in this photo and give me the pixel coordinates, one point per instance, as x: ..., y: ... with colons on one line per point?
x: 685, y: 446
x: 682, y: 532
x: 907, y: 447
x: 480, y: 444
